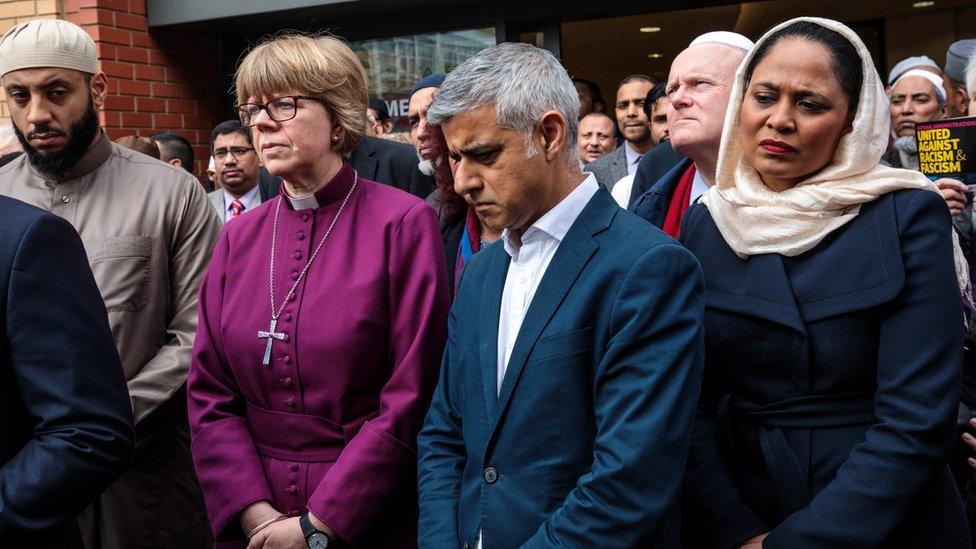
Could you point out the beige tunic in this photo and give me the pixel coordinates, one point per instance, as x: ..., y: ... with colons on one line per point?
x: 148, y: 229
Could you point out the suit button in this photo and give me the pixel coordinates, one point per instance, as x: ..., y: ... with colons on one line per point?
x: 491, y: 475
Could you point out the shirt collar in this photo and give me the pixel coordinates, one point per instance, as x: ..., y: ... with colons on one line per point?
x: 246, y: 199
x: 333, y: 191
x: 94, y: 157
x: 632, y: 155
x: 556, y: 222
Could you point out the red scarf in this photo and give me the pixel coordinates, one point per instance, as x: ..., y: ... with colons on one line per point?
x: 679, y: 202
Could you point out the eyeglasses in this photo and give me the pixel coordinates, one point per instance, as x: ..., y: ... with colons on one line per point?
x: 279, y: 109
x: 236, y: 152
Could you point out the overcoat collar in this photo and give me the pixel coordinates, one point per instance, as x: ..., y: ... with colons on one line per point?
x: 856, y: 268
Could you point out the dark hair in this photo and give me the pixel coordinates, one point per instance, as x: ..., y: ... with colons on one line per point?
x: 594, y: 89
x: 657, y: 92
x: 378, y: 105
x: 846, y: 61
x: 635, y: 78
x: 228, y: 127
x: 603, y: 114
x: 174, y: 145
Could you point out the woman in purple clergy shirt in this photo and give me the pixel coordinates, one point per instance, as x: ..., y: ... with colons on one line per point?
x: 322, y: 321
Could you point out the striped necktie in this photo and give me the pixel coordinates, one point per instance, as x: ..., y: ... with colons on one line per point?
x: 236, y: 207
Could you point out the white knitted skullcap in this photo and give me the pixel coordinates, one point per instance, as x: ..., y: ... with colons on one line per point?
x: 733, y: 39
x: 47, y: 43
x: 935, y: 80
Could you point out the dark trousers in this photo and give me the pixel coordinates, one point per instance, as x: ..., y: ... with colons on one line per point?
x: 157, y: 503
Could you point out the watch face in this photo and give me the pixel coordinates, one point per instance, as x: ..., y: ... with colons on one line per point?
x: 318, y: 540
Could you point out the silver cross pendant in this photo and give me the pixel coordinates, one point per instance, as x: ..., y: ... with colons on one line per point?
x: 270, y: 335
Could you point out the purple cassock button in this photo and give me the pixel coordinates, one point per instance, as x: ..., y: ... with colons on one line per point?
x: 304, y: 217
x: 286, y: 359
x: 293, y: 275
x: 287, y: 316
x: 286, y: 381
x: 291, y: 489
x: 300, y: 235
x: 297, y: 255
x: 290, y: 402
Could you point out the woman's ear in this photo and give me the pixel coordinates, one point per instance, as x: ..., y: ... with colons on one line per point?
x: 849, y: 123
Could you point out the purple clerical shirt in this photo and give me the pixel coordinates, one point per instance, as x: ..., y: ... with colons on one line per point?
x: 331, y: 423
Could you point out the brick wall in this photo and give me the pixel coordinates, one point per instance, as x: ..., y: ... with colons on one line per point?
x: 157, y: 81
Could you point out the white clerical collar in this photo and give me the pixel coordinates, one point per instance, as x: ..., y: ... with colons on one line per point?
x: 306, y: 203
x: 557, y: 221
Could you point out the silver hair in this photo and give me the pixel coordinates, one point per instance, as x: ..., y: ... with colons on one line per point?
x: 521, y: 81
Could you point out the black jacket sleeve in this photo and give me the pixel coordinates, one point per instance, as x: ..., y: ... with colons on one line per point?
x: 70, y: 382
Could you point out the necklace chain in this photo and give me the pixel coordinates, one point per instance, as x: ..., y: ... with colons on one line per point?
x: 276, y: 311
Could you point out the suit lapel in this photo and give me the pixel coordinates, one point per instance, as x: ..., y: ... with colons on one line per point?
x: 571, y: 257
x: 620, y: 163
x: 488, y: 322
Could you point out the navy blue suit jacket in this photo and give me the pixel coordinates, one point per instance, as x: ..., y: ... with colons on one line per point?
x: 652, y: 167
x: 67, y: 422
x: 586, y: 443
x: 831, y: 385
x: 653, y: 204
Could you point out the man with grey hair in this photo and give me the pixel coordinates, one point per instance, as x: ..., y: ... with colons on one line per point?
x: 564, y: 419
x: 698, y: 89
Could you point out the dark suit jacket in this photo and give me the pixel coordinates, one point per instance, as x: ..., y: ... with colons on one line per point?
x: 67, y: 422
x: 610, y: 168
x: 586, y: 443
x: 831, y: 386
x: 652, y: 168
x: 391, y: 163
x: 653, y: 204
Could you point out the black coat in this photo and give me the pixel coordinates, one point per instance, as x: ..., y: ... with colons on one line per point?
x: 391, y: 163
x: 831, y: 386
x: 66, y: 432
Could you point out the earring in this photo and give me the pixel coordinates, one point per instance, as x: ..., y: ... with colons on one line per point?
x: 335, y: 137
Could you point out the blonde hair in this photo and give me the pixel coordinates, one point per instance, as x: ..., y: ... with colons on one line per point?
x: 319, y: 66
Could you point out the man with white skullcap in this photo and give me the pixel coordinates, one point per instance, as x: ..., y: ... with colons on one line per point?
x: 916, y: 96
x: 698, y: 89
x: 148, y: 230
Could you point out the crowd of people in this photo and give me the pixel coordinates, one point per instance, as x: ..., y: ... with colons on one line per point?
x: 733, y: 313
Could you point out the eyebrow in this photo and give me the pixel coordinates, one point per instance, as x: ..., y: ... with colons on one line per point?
x: 49, y: 84
x: 479, y: 148
x: 802, y: 93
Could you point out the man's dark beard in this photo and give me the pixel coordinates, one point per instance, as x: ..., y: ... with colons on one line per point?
x: 81, y: 134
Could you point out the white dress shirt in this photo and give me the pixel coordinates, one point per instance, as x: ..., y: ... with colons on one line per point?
x: 633, y: 158
x: 698, y: 187
x: 529, y: 264
x: 622, y: 189
x: 247, y: 199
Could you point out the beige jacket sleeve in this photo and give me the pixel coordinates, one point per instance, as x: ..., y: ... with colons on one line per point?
x: 192, y: 240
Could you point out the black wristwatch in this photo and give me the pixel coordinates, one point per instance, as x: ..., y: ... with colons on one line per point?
x: 316, y: 539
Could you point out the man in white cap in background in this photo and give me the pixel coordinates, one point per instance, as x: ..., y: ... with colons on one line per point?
x: 148, y: 230
x: 698, y: 89
x: 916, y: 96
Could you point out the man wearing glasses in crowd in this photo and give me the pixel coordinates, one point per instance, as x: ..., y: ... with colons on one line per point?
x: 237, y: 170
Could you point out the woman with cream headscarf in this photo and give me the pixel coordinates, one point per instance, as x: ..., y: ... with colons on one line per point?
x: 834, y: 320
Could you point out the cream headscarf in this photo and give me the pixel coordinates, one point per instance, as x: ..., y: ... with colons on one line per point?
x: 755, y: 220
